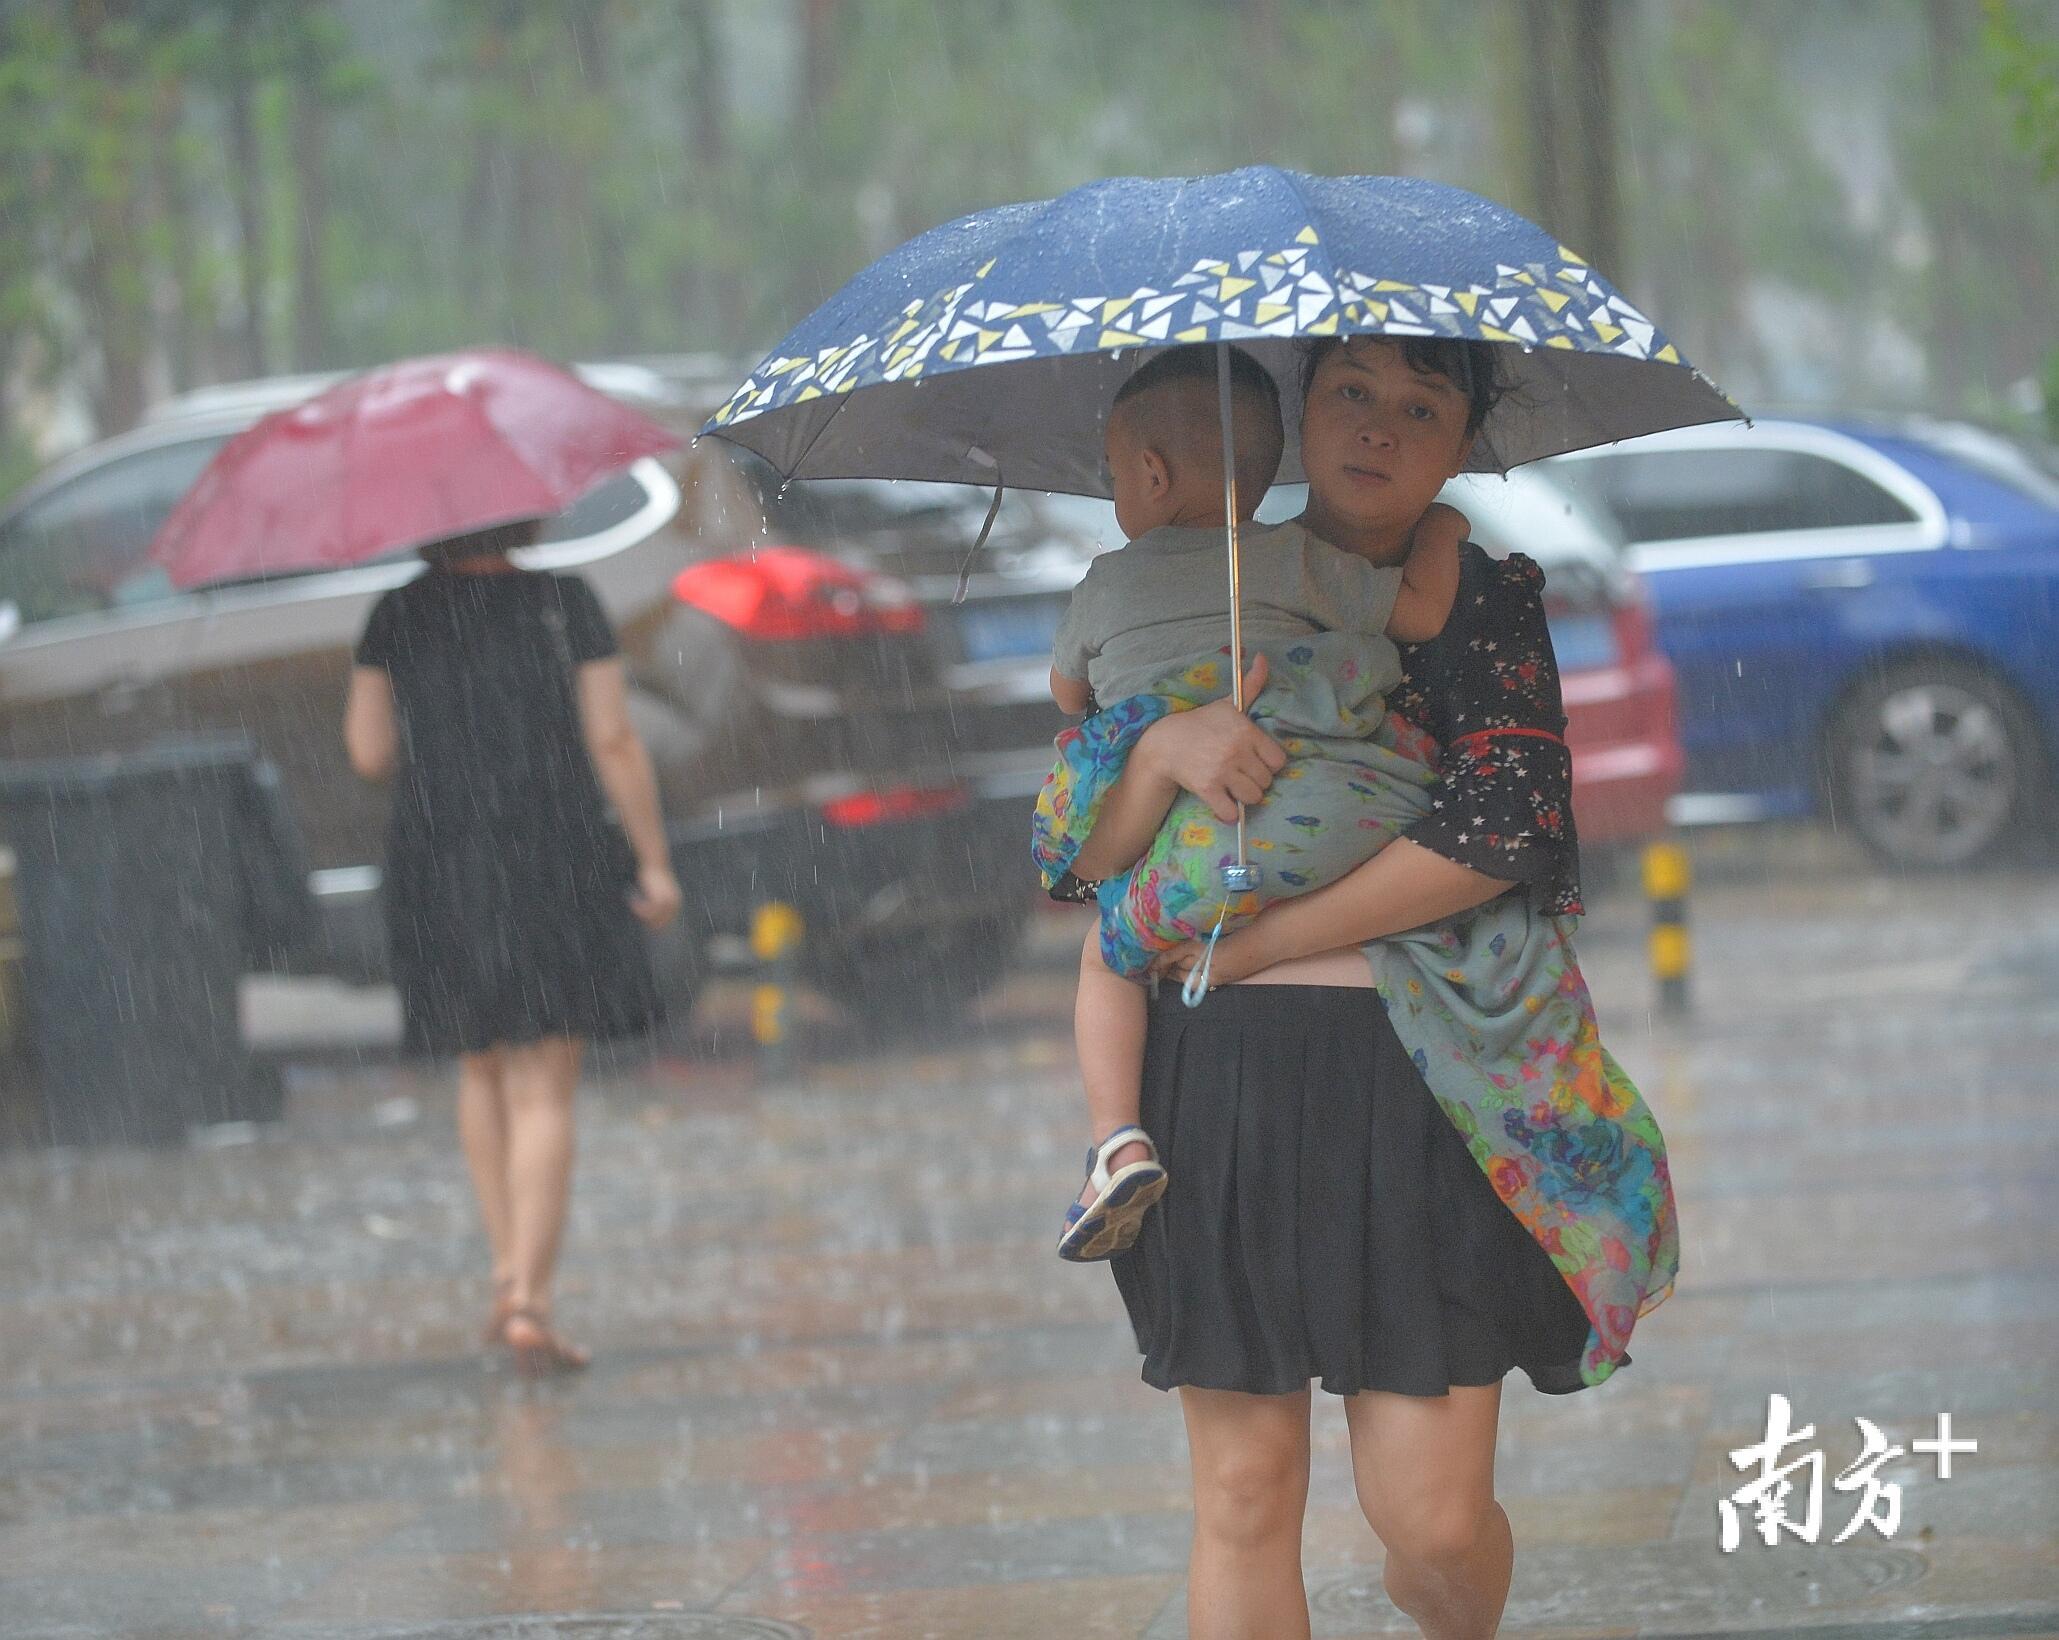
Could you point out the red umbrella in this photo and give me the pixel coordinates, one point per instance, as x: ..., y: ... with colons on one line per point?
x: 398, y: 457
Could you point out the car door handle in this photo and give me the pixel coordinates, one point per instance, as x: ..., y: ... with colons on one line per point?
x: 1846, y: 575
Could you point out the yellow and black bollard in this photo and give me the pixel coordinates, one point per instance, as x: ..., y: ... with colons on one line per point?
x: 1667, y: 878
x: 776, y: 931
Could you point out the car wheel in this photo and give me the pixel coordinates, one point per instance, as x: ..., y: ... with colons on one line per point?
x: 1934, y: 763
x: 914, y: 980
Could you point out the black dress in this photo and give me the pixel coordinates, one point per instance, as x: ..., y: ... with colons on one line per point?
x: 507, y: 878
x: 1324, y: 1219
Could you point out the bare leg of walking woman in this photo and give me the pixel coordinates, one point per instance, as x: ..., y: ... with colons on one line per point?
x: 538, y: 1081
x: 1250, y: 1460
x: 1424, y: 1467
x: 483, y: 1131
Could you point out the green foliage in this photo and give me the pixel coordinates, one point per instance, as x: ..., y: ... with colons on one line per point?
x: 1983, y: 294
x: 2026, y: 70
x: 666, y: 175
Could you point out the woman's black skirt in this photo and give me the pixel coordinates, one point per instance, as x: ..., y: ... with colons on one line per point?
x: 1324, y: 1219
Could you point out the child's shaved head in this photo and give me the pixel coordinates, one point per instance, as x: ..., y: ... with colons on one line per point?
x: 1172, y: 405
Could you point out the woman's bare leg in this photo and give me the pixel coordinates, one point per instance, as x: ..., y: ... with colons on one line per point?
x: 539, y: 1079
x: 483, y: 1131
x: 1250, y: 1459
x: 1424, y: 1465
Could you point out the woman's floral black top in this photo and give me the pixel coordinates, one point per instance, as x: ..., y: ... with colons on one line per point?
x: 1505, y: 804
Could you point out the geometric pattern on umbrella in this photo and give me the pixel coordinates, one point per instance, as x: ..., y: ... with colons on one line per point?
x: 993, y: 344
x: 1254, y: 294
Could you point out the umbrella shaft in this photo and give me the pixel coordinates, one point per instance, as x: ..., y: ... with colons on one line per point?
x: 1224, y: 406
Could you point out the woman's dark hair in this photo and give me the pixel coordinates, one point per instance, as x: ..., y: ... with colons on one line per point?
x: 495, y: 538
x: 1474, y: 368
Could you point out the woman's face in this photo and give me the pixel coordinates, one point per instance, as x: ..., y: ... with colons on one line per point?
x: 1379, y: 438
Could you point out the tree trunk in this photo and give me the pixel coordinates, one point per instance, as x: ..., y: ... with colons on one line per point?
x: 1542, y: 89
x: 1594, y: 100
x: 246, y: 162
x: 705, y: 301
x: 311, y: 336
x: 706, y: 131
x: 1569, y: 87
x: 1945, y: 22
x: 1262, y: 76
x: 818, y: 58
x: 593, y: 174
x: 185, y: 334
x: 113, y: 282
x: 310, y: 240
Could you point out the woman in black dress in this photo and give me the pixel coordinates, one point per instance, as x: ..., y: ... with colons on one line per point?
x: 525, y: 857
x: 1326, y: 1220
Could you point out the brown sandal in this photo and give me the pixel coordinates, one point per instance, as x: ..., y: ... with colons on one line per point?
x: 538, y: 1351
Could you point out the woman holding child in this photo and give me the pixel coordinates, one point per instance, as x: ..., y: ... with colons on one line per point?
x: 1327, y: 1218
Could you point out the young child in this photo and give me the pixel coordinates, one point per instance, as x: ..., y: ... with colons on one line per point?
x: 1153, y: 619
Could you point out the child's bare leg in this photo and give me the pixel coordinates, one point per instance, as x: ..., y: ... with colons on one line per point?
x: 1108, y: 1021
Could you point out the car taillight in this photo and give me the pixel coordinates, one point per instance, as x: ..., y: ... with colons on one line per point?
x: 1635, y: 635
x: 785, y: 593
x: 895, y: 803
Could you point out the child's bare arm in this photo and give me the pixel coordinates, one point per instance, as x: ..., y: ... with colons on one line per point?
x: 1073, y: 695
x: 1429, y: 576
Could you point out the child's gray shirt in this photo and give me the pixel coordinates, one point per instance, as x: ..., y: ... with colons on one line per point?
x: 1147, y: 611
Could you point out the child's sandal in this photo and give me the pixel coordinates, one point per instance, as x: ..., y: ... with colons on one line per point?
x: 1109, y: 1224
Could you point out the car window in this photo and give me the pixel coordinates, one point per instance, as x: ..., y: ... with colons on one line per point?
x: 1672, y: 495
x: 83, y: 548
x: 2028, y: 466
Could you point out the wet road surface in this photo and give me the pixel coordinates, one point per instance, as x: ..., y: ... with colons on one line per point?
x: 843, y: 1387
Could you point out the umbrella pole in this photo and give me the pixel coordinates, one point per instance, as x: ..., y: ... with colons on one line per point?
x: 1242, y: 879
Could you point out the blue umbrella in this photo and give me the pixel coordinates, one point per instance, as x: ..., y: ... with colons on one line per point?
x: 989, y: 350
x: 991, y: 347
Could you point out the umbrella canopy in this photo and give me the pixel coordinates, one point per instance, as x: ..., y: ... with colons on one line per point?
x: 398, y: 457
x: 995, y: 343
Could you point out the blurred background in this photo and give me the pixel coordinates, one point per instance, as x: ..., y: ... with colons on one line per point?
x: 1831, y: 202
x: 842, y: 1386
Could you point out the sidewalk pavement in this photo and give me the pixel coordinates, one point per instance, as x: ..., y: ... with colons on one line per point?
x: 843, y: 1388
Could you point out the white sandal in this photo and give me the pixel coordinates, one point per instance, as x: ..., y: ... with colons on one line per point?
x: 1109, y: 1224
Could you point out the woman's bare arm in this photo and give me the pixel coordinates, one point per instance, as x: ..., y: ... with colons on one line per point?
x: 1215, y: 751
x: 625, y: 774
x: 1404, y: 886
x: 370, y: 735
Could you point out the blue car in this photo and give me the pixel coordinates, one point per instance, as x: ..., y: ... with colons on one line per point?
x: 1863, y: 619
